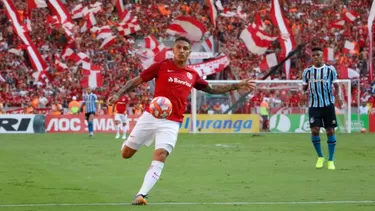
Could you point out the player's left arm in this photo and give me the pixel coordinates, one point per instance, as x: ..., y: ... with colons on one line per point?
x: 97, y: 103
x: 247, y: 84
x: 83, y: 103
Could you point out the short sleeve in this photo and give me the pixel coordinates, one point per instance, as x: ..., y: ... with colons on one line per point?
x: 333, y: 75
x: 151, y: 72
x: 200, y: 83
x: 305, y: 80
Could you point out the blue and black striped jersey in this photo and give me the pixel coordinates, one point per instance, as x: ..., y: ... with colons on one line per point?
x: 320, y: 83
x: 90, y: 101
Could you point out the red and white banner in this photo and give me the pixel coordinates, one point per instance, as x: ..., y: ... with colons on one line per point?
x: 69, y: 54
x: 219, y: 5
x: 152, y: 53
x: 1, y: 78
x: 287, y: 41
x: 227, y: 13
x: 33, y: 4
x: 108, y: 41
x: 339, y: 24
x: 256, y: 41
x: 91, y: 67
x: 346, y: 73
x: 369, y: 25
x: 269, y: 61
x: 126, y: 17
x: 214, y: 66
x: 213, y: 11
x: 103, y: 32
x: 15, y: 51
x: 151, y: 42
x: 128, y: 28
x: 205, y: 68
x: 350, y: 47
x: 58, y: 8
x: 27, y: 25
x: 328, y: 54
x: 120, y: 7
x: 350, y: 16
x: 259, y: 23
x: 60, y: 66
x: 78, y: 124
x: 77, y: 11
x: 188, y: 27
x: 36, y: 59
x: 92, y: 79
x: 193, y: 55
x: 90, y: 21
x: 208, y: 44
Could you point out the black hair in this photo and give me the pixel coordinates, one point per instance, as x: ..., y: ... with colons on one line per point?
x: 317, y: 49
x: 183, y: 39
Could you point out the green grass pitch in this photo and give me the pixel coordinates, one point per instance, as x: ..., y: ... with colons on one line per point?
x: 272, y: 172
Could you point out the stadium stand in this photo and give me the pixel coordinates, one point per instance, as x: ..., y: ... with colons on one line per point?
x: 19, y: 92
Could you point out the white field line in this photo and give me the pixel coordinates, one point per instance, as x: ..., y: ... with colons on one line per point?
x: 191, y: 203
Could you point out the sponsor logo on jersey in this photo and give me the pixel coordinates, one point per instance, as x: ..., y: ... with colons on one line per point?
x: 178, y: 81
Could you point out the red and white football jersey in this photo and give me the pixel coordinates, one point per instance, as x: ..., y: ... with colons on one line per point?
x: 121, y: 104
x: 175, y: 83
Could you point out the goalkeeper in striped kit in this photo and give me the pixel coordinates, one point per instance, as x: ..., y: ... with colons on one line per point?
x: 318, y: 81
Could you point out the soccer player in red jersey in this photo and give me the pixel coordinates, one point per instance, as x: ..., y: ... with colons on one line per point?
x: 174, y: 80
x: 121, y: 117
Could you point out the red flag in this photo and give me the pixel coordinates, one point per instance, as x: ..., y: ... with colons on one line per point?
x: 256, y: 41
x: 287, y: 42
x: 329, y: 54
x: 338, y: 24
x: 187, y: 26
x: 350, y: 16
x: 92, y: 79
x: 33, y: 4
x: 213, y: 11
x: 269, y: 61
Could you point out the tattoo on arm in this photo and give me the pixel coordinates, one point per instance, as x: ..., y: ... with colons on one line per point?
x: 130, y: 85
x: 220, y: 88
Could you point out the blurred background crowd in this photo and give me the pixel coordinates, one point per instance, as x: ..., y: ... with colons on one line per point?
x: 309, y: 19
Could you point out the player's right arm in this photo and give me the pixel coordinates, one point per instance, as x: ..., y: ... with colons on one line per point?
x: 82, y: 104
x: 130, y: 85
x: 146, y: 75
x: 305, y: 80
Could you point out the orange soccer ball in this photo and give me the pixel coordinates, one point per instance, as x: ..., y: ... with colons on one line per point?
x: 160, y: 107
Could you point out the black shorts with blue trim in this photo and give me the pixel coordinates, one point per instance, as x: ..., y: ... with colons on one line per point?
x: 323, y: 117
x: 87, y: 115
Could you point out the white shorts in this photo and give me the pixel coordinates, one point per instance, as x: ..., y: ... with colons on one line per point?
x: 149, y: 128
x: 123, y: 118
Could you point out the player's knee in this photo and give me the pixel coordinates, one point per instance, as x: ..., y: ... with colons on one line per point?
x: 315, y: 131
x: 127, y: 152
x: 160, y: 155
x: 330, y: 131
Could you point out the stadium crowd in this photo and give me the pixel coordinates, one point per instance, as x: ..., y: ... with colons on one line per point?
x: 310, y: 22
